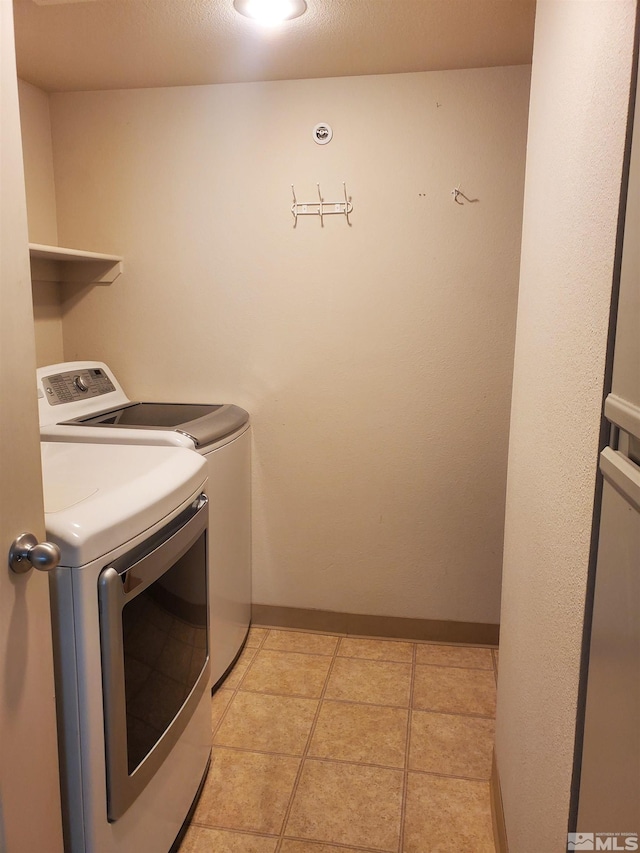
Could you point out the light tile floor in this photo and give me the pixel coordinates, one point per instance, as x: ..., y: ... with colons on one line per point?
x: 333, y: 744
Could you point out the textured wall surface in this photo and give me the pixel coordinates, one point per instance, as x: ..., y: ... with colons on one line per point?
x: 578, y: 112
x: 38, y: 163
x: 41, y: 210
x: 376, y: 360
x: 67, y: 46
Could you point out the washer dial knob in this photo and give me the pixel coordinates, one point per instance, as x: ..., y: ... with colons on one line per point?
x: 80, y: 384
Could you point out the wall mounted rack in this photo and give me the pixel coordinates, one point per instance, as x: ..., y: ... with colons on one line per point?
x: 321, y: 207
x: 74, y: 266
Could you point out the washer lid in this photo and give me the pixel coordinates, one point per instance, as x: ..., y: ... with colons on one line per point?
x: 98, y: 497
x: 204, y: 424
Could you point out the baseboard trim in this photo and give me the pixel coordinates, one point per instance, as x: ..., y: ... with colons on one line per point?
x: 357, y: 624
x: 497, y: 810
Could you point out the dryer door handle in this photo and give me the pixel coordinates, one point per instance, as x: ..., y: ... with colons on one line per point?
x: 26, y: 553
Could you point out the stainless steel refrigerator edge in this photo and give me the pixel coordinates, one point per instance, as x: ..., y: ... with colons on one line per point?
x: 609, y: 792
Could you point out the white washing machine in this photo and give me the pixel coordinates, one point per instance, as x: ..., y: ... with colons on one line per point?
x: 129, y: 605
x: 83, y: 402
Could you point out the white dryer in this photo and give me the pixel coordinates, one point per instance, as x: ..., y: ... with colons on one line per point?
x: 129, y: 606
x: 84, y: 402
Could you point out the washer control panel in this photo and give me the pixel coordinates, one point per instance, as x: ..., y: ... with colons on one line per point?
x: 76, y: 385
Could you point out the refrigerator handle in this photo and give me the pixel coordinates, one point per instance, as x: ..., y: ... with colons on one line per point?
x: 623, y: 414
x: 622, y: 473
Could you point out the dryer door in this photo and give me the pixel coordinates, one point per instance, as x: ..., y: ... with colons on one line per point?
x: 155, y: 664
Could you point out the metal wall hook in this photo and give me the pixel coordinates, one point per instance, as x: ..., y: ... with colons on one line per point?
x: 321, y: 207
x: 348, y: 207
x: 457, y: 194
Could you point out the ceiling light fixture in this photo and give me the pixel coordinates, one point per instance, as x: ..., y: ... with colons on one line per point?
x: 270, y: 12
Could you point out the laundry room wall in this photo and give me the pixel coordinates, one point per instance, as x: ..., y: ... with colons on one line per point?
x: 582, y: 60
x: 41, y: 209
x: 375, y: 359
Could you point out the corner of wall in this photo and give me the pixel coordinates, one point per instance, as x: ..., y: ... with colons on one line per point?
x: 577, y: 125
x: 35, y: 122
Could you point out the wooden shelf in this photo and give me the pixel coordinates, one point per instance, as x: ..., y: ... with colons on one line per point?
x: 55, y: 263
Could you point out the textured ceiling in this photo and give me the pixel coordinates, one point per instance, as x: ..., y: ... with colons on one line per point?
x: 75, y: 45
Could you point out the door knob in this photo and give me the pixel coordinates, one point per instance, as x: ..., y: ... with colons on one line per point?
x: 26, y: 553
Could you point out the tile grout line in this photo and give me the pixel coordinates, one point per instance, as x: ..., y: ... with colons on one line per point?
x: 446, y: 665
x: 405, y: 775
x: 458, y: 666
x: 337, y: 844
x: 467, y: 714
x: 483, y: 779
x: 235, y: 689
x: 320, y: 759
x: 335, y: 656
x: 449, y: 644
x: 305, y: 752
x: 391, y: 640
x: 340, y: 701
x: 214, y: 729
x: 234, y: 830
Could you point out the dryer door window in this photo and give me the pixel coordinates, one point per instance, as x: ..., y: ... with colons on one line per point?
x: 153, y: 606
x: 164, y: 633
